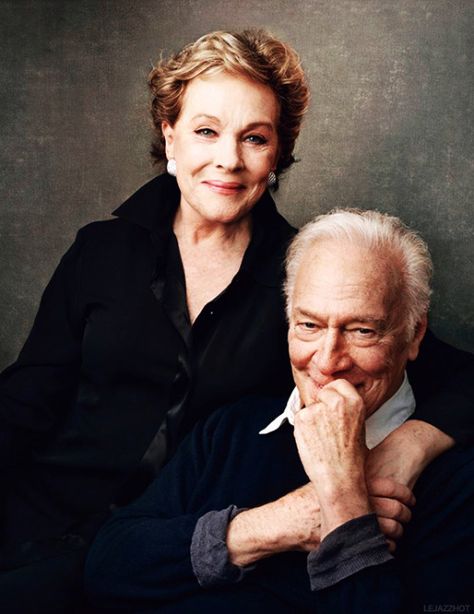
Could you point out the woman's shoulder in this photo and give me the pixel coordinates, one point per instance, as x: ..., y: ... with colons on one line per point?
x: 109, y: 240
x: 147, y: 210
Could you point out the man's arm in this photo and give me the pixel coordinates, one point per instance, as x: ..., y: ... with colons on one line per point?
x: 155, y: 550
x: 350, y: 571
x: 144, y: 553
x: 289, y: 523
x: 433, y: 567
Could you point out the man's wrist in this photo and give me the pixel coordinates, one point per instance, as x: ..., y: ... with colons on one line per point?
x: 289, y: 523
x: 342, y: 503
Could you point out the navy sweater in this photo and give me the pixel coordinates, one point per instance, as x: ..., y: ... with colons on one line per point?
x: 140, y: 560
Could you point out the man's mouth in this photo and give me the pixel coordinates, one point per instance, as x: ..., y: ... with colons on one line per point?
x: 320, y: 386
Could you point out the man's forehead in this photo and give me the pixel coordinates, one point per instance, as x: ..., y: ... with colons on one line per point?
x: 332, y: 273
x: 344, y: 263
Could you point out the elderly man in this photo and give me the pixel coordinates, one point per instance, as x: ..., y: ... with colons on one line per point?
x: 248, y: 516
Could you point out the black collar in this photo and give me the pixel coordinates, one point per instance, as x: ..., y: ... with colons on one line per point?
x: 152, y: 206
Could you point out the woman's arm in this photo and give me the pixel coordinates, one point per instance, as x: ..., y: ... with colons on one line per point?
x: 442, y: 378
x: 39, y: 384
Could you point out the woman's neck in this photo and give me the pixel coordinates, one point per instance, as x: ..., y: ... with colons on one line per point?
x: 194, y: 231
x: 211, y: 255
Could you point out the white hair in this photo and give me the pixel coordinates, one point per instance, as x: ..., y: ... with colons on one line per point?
x: 379, y: 232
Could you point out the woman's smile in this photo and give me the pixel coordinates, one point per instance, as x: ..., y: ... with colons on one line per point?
x: 224, y: 187
x: 225, y: 143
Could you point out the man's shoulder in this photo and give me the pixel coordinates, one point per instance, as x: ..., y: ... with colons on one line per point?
x: 250, y: 413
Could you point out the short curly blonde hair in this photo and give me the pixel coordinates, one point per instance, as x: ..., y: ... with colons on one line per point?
x: 254, y: 54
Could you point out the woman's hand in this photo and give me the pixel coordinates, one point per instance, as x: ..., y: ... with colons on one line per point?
x: 405, y: 453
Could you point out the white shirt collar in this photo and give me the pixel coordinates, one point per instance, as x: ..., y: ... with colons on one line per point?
x: 379, y: 425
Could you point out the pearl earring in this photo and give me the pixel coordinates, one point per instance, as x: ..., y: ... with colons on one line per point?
x: 171, y: 167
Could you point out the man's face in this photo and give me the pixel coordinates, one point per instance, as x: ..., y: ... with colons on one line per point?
x: 346, y: 322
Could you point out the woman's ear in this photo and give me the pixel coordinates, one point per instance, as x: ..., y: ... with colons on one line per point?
x: 168, y: 133
x: 414, y: 345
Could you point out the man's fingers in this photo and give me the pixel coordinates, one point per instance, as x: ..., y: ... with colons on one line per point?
x: 392, y: 546
x: 337, y: 390
x: 392, y: 529
x: 391, y: 509
x: 387, y: 487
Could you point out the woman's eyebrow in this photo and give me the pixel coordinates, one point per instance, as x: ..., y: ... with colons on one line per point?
x: 205, y: 116
x: 251, y: 126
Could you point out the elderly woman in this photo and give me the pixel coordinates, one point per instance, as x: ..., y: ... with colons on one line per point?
x: 157, y: 318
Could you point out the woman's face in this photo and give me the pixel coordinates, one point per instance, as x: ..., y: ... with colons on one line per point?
x: 225, y: 143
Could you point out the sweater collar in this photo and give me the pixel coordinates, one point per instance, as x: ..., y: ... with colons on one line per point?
x: 153, y: 207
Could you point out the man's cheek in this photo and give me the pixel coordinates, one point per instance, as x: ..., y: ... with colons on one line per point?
x: 374, y: 361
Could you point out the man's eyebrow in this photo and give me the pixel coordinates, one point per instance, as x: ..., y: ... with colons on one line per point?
x: 305, y: 313
x: 369, y: 320
x: 375, y: 321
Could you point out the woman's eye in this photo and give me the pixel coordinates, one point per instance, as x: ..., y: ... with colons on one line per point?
x: 205, y: 132
x: 256, y: 139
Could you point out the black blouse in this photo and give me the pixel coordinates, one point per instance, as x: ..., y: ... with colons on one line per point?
x: 113, y: 374
x: 113, y: 369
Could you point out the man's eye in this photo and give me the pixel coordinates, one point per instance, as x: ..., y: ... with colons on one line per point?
x: 205, y: 132
x: 256, y: 139
x: 365, y: 332
x: 307, y: 326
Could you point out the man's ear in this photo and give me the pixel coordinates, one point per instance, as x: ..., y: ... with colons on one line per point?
x: 168, y: 133
x: 414, y: 345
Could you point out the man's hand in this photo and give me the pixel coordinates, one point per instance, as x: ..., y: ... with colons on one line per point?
x: 391, y: 502
x: 330, y: 439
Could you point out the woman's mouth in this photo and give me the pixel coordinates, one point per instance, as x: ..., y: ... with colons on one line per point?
x: 224, y: 187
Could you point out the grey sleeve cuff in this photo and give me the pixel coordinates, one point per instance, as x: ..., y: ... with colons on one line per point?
x: 348, y: 549
x: 209, y: 554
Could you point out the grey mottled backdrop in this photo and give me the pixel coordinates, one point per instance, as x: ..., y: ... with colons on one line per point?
x: 390, y: 125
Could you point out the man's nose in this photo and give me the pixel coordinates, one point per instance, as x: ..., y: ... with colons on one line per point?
x: 228, y: 153
x: 332, y: 355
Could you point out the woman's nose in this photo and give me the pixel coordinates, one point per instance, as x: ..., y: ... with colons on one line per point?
x: 228, y: 154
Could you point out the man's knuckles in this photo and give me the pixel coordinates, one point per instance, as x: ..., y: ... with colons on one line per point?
x: 340, y: 399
